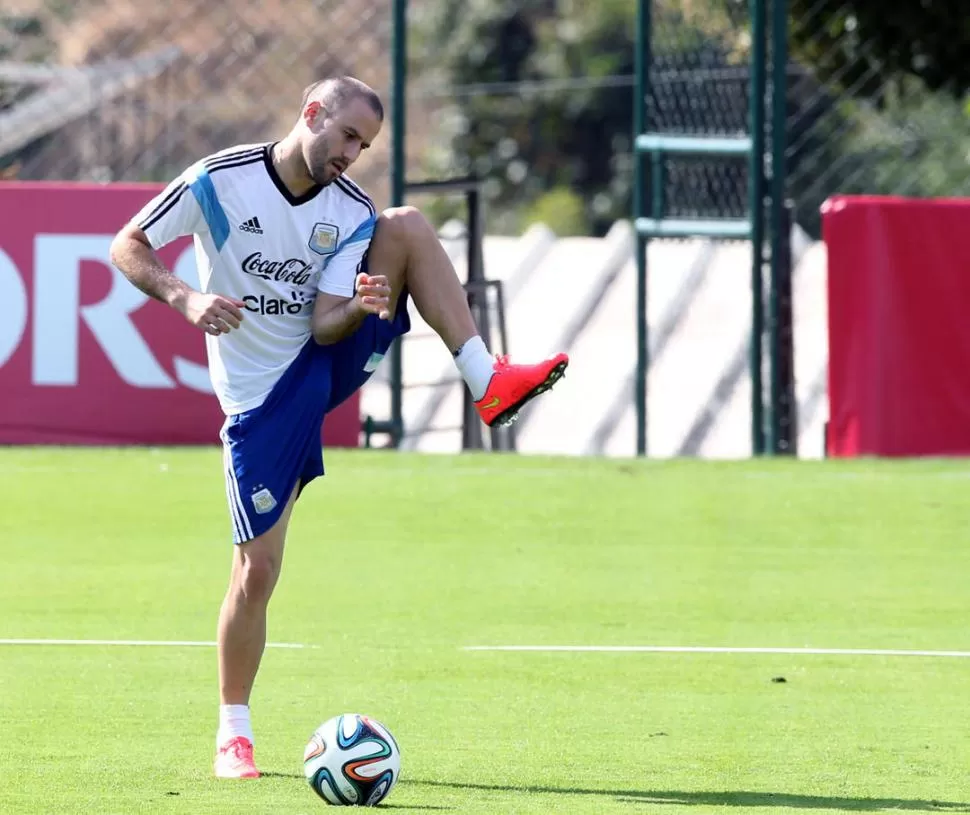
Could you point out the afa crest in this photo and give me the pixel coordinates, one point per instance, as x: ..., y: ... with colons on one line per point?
x: 263, y: 501
x: 323, y: 239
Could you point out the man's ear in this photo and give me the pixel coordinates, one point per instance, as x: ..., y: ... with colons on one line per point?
x: 311, y: 112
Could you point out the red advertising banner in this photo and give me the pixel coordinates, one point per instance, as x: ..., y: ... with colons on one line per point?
x: 86, y: 358
x: 899, y: 326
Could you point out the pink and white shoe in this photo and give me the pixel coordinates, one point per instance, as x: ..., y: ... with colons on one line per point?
x: 235, y: 759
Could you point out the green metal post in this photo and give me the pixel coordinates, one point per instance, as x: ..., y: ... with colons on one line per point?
x: 641, y: 89
x: 658, y: 182
x: 756, y: 191
x: 398, y: 173
x: 779, y: 99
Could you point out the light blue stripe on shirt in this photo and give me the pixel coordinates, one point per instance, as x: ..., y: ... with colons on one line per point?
x: 364, y: 232
x: 361, y: 234
x: 215, y: 216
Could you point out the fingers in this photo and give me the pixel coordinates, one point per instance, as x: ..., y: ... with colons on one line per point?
x: 383, y: 292
x: 215, y: 327
x: 373, y: 285
x: 374, y: 293
x: 229, y: 314
x: 372, y: 280
x: 220, y: 315
x: 376, y: 305
x: 233, y: 307
x: 217, y: 321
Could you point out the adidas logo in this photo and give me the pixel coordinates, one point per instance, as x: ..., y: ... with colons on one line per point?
x: 252, y: 225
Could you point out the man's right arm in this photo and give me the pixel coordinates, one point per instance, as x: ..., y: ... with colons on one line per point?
x: 132, y: 253
x: 171, y: 214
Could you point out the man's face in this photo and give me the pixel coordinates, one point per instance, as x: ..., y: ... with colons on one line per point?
x: 334, y: 141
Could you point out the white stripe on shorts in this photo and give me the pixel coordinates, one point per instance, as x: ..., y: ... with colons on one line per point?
x: 246, y: 526
x: 237, y: 532
x: 244, y: 530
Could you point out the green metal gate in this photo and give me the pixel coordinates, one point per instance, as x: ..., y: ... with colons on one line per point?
x: 765, y: 195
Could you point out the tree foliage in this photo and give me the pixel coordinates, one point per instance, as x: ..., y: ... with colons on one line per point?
x: 870, y: 102
x: 865, y: 44
x: 554, y: 125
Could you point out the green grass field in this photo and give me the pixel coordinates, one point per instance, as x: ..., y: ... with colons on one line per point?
x: 397, y: 563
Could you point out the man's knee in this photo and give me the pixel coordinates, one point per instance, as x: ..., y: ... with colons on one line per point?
x: 401, y: 221
x: 257, y: 572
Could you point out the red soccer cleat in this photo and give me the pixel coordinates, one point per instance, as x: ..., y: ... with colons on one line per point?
x: 513, y: 386
x: 235, y: 759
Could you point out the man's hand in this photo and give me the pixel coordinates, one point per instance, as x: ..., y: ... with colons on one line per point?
x: 212, y: 313
x: 132, y: 253
x: 374, y: 295
x: 335, y: 317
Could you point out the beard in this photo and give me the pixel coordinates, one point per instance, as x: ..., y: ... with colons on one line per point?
x: 320, y: 166
x: 324, y: 174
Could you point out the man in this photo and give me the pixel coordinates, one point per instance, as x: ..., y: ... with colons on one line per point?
x: 303, y: 288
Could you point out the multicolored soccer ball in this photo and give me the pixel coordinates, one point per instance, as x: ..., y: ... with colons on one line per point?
x: 352, y: 760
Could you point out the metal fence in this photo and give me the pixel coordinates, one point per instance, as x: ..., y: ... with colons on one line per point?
x: 115, y: 90
x: 699, y: 79
x: 826, y: 118
x: 534, y: 97
x: 849, y: 128
x: 853, y: 129
x: 107, y: 90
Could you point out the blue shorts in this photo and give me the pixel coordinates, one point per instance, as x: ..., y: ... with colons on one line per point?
x: 275, y: 448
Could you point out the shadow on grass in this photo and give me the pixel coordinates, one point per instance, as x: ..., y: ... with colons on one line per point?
x: 384, y: 805
x: 733, y: 798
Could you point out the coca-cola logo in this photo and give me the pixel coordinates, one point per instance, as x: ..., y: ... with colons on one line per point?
x: 292, y: 270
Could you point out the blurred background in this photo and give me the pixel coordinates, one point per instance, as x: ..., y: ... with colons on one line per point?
x: 535, y: 100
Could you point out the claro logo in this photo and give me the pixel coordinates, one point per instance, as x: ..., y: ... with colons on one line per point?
x: 57, y: 314
x: 261, y: 304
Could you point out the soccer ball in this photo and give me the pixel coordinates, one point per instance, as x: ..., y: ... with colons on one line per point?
x: 352, y: 760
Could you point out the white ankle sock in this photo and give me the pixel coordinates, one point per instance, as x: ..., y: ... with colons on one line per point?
x: 233, y: 721
x: 475, y: 364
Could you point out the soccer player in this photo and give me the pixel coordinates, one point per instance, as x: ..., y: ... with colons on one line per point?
x: 303, y: 287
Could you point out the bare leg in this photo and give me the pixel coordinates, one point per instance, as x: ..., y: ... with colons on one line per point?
x: 242, y: 618
x: 407, y: 250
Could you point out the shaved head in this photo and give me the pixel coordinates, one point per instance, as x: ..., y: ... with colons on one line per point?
x: 334, y: 93
x: 339, y: 118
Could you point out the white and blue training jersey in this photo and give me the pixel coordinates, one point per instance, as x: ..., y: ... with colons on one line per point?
x: 258, y: 243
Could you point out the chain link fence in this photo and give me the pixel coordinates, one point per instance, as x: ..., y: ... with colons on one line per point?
x: 536, y: 97
x: 532, y: 96
x: 699, y: 77
x: 120, y: 90
x: 854, y: 128
x: 850, y: 129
